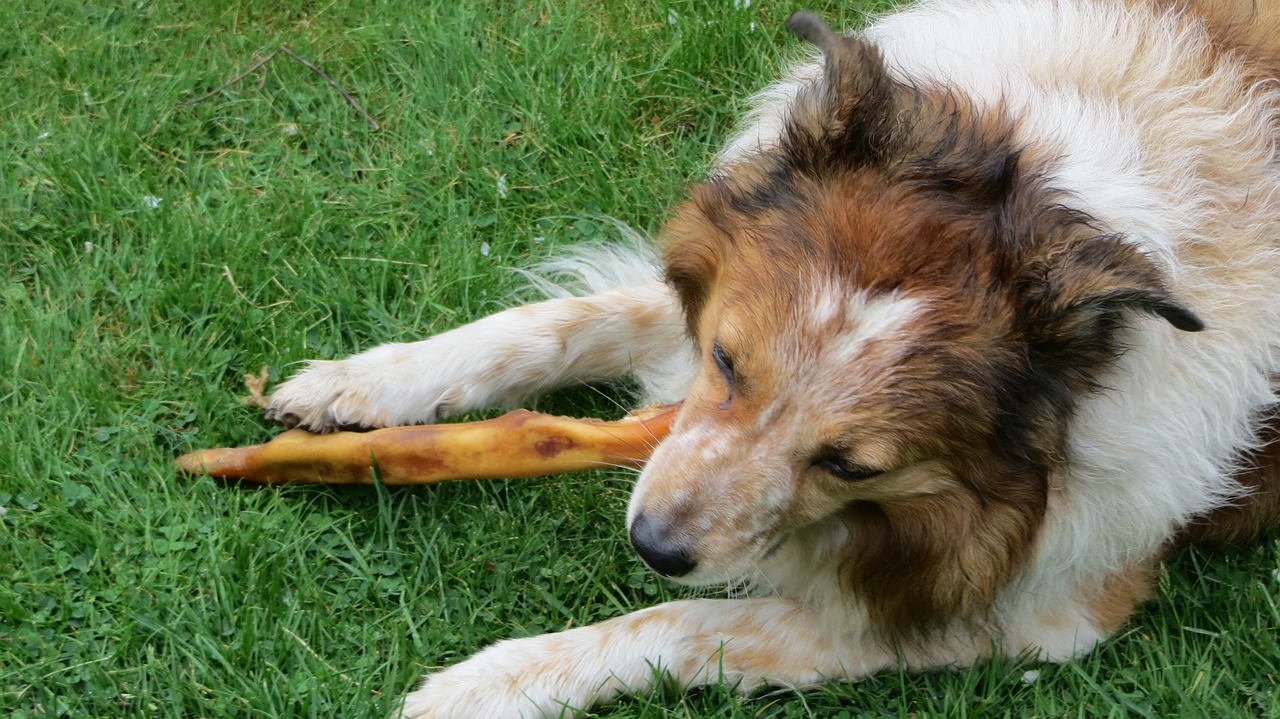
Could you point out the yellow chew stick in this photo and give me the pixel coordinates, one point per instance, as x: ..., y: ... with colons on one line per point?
x: 517, y: 444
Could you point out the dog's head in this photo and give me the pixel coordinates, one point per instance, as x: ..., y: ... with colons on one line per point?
x: 895, y: 313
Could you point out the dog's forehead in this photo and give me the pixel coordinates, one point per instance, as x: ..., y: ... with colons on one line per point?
x: 867, y: 227
x: 815, y: 307
x: 823, y: 338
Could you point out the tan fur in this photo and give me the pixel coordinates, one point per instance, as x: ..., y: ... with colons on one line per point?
x: 1250, y: 28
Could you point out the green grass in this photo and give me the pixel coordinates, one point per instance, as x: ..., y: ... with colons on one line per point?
x: 286, y: 228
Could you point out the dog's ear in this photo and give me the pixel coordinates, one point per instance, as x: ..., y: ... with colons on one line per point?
x: 695, y: 244
x: 847, y: 118
x: 1074, y: 296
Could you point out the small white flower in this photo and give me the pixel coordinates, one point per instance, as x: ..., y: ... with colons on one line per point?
x: 89, y: 247
x: 43, y: 136
x: 484, y: 248
x: 741, y: 4
x: 502, y: 187
x: 88, y: 99
x: 151, y: 202
x: 753, y: 26
x: 290, y: 129
x: 672, y: 17
x: 1030, y: 676
x: 539, y: 238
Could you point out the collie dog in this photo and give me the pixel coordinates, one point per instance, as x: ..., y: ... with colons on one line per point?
x: 976, y: 317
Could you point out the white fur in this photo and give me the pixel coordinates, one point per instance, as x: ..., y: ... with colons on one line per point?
x: 871, y: 317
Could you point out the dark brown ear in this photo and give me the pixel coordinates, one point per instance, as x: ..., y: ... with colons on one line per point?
x: 1075, y: 296
x: 846, y: 118
x: 695, y: 243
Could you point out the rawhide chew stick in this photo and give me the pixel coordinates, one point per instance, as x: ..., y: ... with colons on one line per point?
x: 517, y: 444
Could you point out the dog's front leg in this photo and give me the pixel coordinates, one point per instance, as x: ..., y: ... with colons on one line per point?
x: 742, y: 642
x: 493, y: 362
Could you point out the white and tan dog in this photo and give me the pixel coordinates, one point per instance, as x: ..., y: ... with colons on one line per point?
x: 976, y: 317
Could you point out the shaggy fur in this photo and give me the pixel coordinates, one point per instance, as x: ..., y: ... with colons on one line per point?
x: 976, y: 316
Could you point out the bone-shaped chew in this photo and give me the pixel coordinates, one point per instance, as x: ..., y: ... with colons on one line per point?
x: 517, y: 444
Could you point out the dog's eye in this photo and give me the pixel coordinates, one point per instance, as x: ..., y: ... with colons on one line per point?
x: 841, y: 469
x: 723, y: 362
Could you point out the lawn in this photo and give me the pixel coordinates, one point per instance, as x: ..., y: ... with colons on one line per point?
x: 154, y: 251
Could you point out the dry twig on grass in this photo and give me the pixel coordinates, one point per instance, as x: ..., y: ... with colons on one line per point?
x: 268, y: 58
x: 257, y: 386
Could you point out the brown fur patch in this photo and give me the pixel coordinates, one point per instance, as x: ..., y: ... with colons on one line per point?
x: 1119, y: 594
x: 922, y: 562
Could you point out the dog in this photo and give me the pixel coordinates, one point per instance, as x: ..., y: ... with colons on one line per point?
x: 974, y: 320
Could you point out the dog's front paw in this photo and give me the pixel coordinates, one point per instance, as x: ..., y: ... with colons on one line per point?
x: 532, y: 678
x: 383, y: 387
x: 389, y: 385
x: 463, y: 692
x: 448, y: 695
x: 327, y: 396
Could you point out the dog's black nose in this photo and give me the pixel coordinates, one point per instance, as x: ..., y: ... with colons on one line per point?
x: 658, y: 549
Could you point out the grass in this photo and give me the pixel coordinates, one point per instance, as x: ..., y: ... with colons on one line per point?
x: 153, y: 252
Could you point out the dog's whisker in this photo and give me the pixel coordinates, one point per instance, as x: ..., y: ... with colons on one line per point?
x: 648, y: 447
x: 615, y: 465
x: 610, y: 398
x: 616, y: 403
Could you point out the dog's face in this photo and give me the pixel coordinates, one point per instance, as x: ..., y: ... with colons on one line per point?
x: 803, y: 406
x: 895, y: 313
x: 833, y: 372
